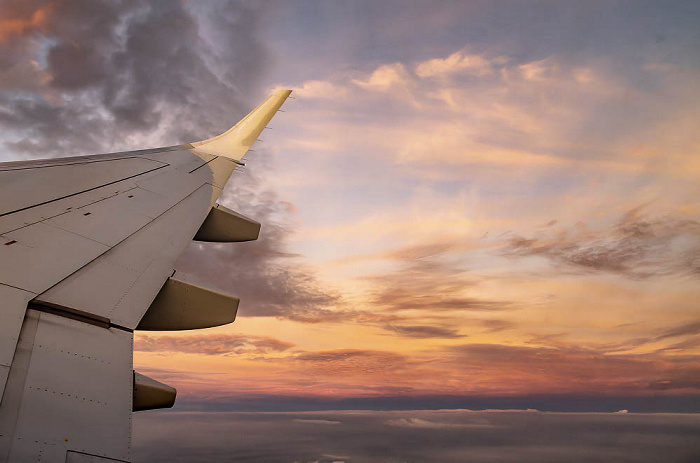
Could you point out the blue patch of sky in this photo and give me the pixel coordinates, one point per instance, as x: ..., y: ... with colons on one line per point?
x: 313, y: 38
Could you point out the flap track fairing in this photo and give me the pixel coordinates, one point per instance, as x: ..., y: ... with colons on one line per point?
x: 150, y: 394
x: 223, y: 225
x: 184, y: 306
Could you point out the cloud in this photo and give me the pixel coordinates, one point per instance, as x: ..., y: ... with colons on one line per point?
x: 685, y: 329
x: 322, y: 422
x: 538, y: 71
x: 685, y: 383
x: 441, y: 436
x: 338, y: 355
x: 494, y: 325
x: 428, y: 279
x: 490, y: 115
x: 459, y: 61
x: 269, y: 280
x: 114, y: 75
x: 517, y: 134
x: 320, y: 89
x: 425, y: 424
x: 351, y: 362
x: 386, y: 77
x: 423, y: 331
x: 637, y: 246
x: 16, y: 20
x: 523, y: 368
x: 211, y: 344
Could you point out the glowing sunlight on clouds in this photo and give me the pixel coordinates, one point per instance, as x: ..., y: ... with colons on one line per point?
x: 461, y: 200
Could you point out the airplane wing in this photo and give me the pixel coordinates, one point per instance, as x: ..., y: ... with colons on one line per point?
x: 87, y: 253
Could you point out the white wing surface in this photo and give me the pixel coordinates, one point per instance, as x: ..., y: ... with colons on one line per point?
x: 87, y: 253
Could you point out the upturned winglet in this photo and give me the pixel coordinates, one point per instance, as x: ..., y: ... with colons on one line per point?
x: 236, y: 141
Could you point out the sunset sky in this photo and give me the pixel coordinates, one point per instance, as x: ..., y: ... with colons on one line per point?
x: 464, y: 200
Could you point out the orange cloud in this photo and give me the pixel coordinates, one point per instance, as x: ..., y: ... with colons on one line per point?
x: 14, y: 23
x: 385, y: 77
x: 456, y: 62
x: 210, y: 344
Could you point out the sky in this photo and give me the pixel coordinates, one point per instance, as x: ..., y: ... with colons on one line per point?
x: 465, y: 205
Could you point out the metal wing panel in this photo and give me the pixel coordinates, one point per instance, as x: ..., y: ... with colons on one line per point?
x: 36, y: 257
x: 81, y: 457
x: 14, y: 303
x: 178, y: 183
x: 30, y: 186
x: 76, y: 391
x: 24, y: 182
x: 59, y: 207
x: 84, y: 226
x: 95, y: 221
x: 122, y: 283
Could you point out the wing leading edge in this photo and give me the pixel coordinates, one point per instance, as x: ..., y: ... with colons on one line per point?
x: 87, y: 253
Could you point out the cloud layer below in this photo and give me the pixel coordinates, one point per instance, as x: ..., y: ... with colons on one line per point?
x: 445, y: 436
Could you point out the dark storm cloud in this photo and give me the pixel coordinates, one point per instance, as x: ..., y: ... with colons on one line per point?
x: 211, y: 344
x: 637, y: 246
x: 421, y: 436
x: 107, y: 70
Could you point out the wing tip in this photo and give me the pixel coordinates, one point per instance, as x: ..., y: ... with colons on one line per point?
x: 236, y: 141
